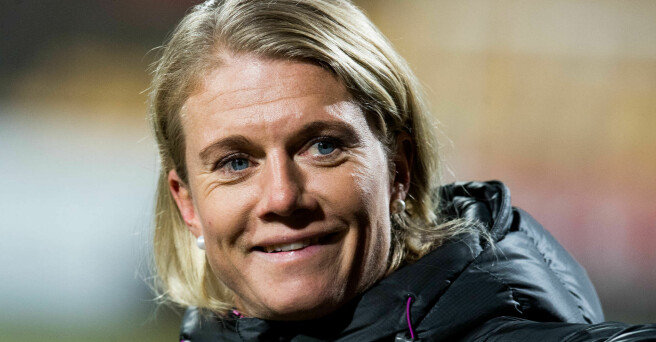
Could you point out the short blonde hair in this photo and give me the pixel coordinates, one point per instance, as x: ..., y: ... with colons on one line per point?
x: 333, y: 34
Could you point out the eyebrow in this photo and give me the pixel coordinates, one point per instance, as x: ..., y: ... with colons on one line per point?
x: 318, y: 127
x: 227, y: 143
x: 345, y: 131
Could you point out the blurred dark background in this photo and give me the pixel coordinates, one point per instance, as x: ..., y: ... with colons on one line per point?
x: 555, y: 98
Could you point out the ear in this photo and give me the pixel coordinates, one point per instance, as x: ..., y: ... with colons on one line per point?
x: 182, y: 196
x: 403, y: 159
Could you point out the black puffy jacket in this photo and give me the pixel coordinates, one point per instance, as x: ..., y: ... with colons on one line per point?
x: 523, y: 287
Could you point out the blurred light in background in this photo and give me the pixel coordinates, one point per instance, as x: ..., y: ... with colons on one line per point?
x: 555, y: 98
x: 76, y: 201
x: 79, y: 170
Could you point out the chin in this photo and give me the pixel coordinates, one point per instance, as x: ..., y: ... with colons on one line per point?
x: 302, y: 302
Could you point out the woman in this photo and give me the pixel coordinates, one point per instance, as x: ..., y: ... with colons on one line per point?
x: 299, y: 197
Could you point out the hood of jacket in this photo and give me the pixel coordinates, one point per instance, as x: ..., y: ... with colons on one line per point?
x: 523, y: 272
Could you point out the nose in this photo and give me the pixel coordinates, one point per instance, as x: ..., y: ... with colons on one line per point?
x: 282, y: 187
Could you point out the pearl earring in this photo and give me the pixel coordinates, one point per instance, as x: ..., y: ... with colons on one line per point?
x: 398, y: 206
x: 200, y: 242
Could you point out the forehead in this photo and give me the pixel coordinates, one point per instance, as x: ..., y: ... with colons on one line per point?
x: 245, y: 80
x: 265, y: 96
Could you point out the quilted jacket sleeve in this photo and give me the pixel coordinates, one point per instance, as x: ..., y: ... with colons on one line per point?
x: 511, y: 329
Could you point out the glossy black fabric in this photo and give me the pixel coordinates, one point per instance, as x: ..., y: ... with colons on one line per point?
x: 523, y: 287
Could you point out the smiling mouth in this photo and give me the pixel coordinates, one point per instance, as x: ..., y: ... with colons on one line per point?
x: 298, y: 245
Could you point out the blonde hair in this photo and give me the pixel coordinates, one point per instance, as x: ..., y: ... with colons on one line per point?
x: 333, y: 34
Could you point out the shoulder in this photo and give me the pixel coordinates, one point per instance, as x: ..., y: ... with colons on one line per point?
x: 526, y: 273
x: 538, y: 278
x: 516, y: 285
x: 523, y: 272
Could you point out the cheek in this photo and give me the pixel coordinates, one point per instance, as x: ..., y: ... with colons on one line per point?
x: 371, y: 184
x: 225, y: 227
x: 224, y: 217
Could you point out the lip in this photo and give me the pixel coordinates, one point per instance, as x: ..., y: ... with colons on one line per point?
x: 323, y: 237
x: 293, y: 257
x: 327, y: 241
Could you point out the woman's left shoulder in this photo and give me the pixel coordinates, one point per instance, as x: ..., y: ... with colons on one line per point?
x: 509, y: 281
x: 538, y: 276
x: 519, y: 269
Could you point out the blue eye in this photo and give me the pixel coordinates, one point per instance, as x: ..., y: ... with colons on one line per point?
x: 239, y: 164
x: 325, y: 147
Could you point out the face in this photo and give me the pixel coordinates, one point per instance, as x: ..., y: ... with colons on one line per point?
x: 288, y: 185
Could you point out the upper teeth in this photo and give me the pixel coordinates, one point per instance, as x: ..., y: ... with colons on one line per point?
x: 290, y: 246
